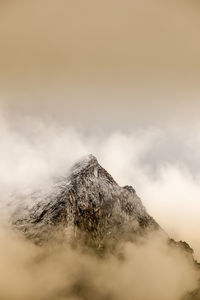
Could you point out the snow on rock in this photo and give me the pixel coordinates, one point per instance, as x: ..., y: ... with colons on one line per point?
x: 86, y: 202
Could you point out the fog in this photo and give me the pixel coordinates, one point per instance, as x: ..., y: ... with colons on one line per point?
x: 160, y: 163
x: 146, y: 270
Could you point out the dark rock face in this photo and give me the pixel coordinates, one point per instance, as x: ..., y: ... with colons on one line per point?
x: 181, y: 245
x: 88, y: 202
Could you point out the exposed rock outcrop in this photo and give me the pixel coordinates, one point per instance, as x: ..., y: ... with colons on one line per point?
x: 89, y: 202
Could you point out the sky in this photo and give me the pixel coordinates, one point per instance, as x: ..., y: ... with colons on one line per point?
x: 119, y: 79
x: 124, y: 62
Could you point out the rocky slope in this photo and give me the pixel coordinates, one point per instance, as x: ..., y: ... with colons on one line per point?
x: 87, y: 202
x: 88, y: 206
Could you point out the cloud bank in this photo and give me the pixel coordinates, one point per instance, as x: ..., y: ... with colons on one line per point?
x: 148, y: 270
x: 160, y: 163
x: 33, y: 151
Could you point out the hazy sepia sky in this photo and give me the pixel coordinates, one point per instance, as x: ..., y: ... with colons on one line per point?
x: 114, y: 62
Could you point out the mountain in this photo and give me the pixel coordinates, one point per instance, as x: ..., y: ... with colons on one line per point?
x: 86, y: 202
x: 88, y: 206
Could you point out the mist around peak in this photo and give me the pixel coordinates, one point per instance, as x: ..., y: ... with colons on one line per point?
x: 149, y: 269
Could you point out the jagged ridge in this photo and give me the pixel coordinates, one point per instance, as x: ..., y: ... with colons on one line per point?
x: 87, y: 201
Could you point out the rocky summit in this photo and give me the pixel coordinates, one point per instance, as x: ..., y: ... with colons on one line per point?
x: 89, y: 207
x: 87, y: 202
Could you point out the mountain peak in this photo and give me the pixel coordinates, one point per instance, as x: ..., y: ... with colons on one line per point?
x: 91, y: 203
x: 85, y: 162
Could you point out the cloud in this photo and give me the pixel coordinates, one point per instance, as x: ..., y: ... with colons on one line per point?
x: 165, y: 175
x: 148, y: 270
x: 162, y: 165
